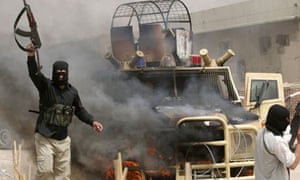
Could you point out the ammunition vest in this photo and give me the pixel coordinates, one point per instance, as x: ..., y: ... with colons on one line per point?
x: 59, y: 115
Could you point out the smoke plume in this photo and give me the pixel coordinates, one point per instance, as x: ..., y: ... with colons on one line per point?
x: 74, y: 31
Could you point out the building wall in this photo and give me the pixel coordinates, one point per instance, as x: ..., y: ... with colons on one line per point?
x: 246, y: 13
x: 292, y: 102
x: 265, y: 38
x: 271, y: 47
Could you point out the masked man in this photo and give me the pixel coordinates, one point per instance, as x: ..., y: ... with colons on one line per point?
x: 59, y: 100
x: 272, y: 155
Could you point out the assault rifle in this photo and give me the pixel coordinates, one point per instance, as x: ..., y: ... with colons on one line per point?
x: 295, y: 124
x: 32, y: 34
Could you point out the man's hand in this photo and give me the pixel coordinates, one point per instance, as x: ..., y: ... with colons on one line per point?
x: 97, y: 126
x: 32, y: 52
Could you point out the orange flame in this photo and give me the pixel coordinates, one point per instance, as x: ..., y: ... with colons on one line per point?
x: 131, y: 175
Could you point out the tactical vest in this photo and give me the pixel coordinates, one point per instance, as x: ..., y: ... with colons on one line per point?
x: 59, y: 115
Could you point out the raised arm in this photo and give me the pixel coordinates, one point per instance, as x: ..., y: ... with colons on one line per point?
x: 39, y: 80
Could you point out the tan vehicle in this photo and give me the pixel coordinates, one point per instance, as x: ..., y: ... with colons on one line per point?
x: 213, y: 129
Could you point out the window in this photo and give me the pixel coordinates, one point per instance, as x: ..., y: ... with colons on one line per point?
x: 263, y: 90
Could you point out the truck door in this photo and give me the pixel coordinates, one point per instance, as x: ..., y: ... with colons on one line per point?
x: 262, y: 90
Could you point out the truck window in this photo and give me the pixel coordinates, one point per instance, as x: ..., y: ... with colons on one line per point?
x: 263, y: 90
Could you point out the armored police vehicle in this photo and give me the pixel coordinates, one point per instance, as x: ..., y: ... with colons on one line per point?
x: 215, y: 128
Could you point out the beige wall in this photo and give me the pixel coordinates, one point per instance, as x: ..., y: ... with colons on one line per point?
x: 241, y: 27
x: 245, y: 13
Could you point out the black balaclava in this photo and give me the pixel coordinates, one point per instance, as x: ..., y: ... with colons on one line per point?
x: 277, y: 119
x: 60, y: 65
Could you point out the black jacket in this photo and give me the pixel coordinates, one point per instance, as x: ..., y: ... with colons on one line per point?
x: 50, y: 94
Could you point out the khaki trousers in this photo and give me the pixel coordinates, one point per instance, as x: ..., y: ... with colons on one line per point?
x: 53, y: 158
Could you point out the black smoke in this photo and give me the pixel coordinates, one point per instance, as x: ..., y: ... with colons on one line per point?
x: 73, y: 31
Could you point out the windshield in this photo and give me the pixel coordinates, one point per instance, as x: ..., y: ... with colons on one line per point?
x: 201, y: 89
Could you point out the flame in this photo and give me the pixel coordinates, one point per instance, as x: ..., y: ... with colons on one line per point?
x: 157, y: 169
x: 131, y: 175
x: 153, y: 168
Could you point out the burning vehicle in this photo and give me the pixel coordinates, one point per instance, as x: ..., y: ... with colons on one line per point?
x: 213, y: 130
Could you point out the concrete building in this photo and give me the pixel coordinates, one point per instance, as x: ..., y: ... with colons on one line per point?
x: 263, y: 33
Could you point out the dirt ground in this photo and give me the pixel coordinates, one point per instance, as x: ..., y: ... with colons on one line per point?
x: 28, y: 168
x: 78, y: 172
